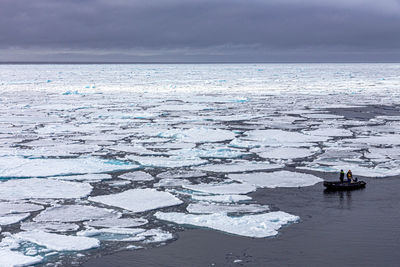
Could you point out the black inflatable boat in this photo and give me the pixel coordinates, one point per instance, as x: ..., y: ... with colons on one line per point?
x: 336, y: 186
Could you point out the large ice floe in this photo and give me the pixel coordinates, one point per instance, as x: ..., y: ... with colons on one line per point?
x: 13, y: 166
x: 42, y: 188
x: 258, y: 225
x: 87, y: 159
x: 277, y: 179
x: 139, y: 200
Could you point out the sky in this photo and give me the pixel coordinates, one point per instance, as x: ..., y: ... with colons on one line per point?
x: 200, y: 30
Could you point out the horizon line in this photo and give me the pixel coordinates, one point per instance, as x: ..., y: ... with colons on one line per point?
x: 185, y: 62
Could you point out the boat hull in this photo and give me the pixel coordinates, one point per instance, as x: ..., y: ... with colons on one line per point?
x: 345, y: 186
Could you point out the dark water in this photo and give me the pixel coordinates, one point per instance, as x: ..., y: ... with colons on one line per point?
x: 357, y: 228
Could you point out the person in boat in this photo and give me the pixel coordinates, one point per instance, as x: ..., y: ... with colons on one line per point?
x: 349, y: 176
x: 341, y: 177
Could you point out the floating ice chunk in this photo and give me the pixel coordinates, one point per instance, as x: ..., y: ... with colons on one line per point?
x: 378, y: 153
x: 75, y: 213
x: 277, y: 179
x: 321, y: 116
x: 86, y: 177
x: 10, y: 258
x: 181, y: 107
x: 42, y: 188
x: 136, y: 149
x: 13, y: 166
x: 175, y: 174
x: 240, y: 166
x: 138, y: 200
x: 282, y: 138
x: 118, y: 222
x: 259, y: 225
x: 49, y: 226
x: 137, y: 176
x: 170, y: 182
x: 7, y: 219
x: 239, y: 143
x: 199, y: 135
x: 12, y: 207
x: 118, y: 183
x: 332, y: 132
x: 171, y: 162
x: 393, y: 139
x: 222, y: 198
x: 156, y: 236
x: 111, y: 230
x: 207, y: 208
x: 283, y: 152
x: 356, y: 169
x: 59, y: 242
x: 223, y: 189
x: 208, y: 152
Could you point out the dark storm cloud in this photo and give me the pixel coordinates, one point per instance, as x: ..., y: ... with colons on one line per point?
x: 223, y: 28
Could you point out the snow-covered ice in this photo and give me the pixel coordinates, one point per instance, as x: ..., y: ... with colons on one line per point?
x: 222, y: 188
x: 42, y: 188
x: 10, y: 258
x: 75, y: 213
x: 277, y: 179
x: 240, y: 166
x: 138, y: 200
x: 136, y: 176
x: 58, y: 242
x: 207, y: 208
x: 14, y: 166
x: 222, y: 198
x: 258, y: 225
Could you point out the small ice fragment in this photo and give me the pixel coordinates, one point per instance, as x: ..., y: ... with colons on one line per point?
x: 137, y: 176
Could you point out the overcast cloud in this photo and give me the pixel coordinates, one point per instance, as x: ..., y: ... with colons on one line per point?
x: 194, y: 30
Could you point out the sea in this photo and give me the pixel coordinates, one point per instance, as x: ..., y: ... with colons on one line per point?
x: 143, y: 161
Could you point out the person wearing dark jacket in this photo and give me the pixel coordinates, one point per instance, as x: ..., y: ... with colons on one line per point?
x: 341, y: 177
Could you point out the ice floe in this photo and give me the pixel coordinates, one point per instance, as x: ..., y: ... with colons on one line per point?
x: 13, y: 166
x: 198, y: 135
x: 222, y: 198
x: 137, y: 176
x: 18, y: 207
x: 75, y: 213
x: 277, y: 179
x: 138, y: 200
x: 176, y: 174
x: 208, y: 208
x: 49, y: 226
x: 117, y: 222
x: 167, y: 162
x: 240, y: 166
x: 258, y: 225
x: 58, y: 242
x: 10, y: 258
x: 7, y: 219
x: 222, y: 188
x: 283, y: 152
x: 42, y: 188
x: 283, y: 138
